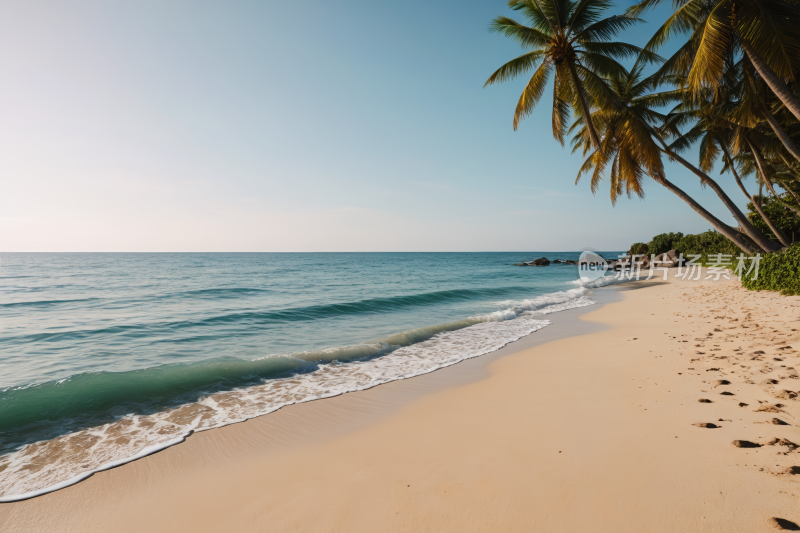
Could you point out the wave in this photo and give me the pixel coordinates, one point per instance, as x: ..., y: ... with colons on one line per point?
x: 599, y: 282
x: 45, y: 303
x: 222, y: 292
x: 85, y: 397
x: 289, y: 315
x: 86, y: 423
x: 217, y: 293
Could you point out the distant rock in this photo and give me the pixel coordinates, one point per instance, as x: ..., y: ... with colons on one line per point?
x: 542, y: 261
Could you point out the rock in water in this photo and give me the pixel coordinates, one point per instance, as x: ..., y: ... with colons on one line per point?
x: 542, y: 261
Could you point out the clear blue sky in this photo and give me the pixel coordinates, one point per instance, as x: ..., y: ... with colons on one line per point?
x: 279, y: 125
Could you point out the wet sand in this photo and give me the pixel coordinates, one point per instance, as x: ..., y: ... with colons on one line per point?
x: 591, y: 424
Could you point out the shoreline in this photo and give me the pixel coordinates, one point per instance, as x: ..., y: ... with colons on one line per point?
x: 509, y: 347
x: 223, y: 461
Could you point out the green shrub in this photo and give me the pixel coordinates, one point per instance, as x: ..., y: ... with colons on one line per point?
x: 708, y: 243
x: 779, y: 214
x: 777, y: 272
x: 663, y: 243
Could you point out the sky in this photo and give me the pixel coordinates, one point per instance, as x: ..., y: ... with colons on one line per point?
x: 286, y: 126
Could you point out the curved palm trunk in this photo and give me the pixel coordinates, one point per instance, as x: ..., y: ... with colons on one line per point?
x: 760, y: 239
x: 772, y: 246
x: 787, y: 141
x: 778, y: 197
x: 775, y: 229
x: 731, y: 233
x: 587, y: 116
x: 775, y: 83
x: 794, y: 194
x: 762, y: 166
x: 763, y: 171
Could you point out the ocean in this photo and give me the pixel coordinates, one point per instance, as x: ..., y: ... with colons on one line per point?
x: 108, y: 357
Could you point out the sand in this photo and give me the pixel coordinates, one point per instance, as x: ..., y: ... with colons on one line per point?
x: 599, y: 431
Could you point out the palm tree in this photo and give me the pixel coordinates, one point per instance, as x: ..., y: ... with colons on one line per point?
x: 764, y: 30
x: 634, y: 148
x: 567, y: 38
x: 708, y: 114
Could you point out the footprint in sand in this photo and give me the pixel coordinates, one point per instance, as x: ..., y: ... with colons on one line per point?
x: 782, y: 523
x: 770, y: 409
x: 783, y: 442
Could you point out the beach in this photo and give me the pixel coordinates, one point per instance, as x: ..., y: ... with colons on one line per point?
x: 591, y: 432
x: 423, y: 302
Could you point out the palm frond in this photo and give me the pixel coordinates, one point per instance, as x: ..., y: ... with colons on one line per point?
x: 604, y: 30
x: 516, y: 67
x: 533, y: 93
x: 524, y: 35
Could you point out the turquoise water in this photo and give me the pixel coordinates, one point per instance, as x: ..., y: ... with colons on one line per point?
x: 132, y: 351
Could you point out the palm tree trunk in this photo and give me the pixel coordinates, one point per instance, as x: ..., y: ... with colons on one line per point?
x: 740, y: 217
x: 761, y: 168
x: 787, y: 141
x: 731, y: 233
x: 587, y: 115
x: 775, y: 83
x: 794, y: 194
x: 772, y: 246
x: 778, y: 197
